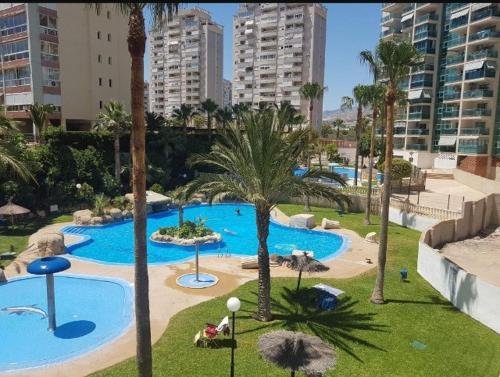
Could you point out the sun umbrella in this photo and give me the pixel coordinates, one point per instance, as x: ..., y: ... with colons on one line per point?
x: 11, y: 209
x: 303, y: 263
x: 297, y: 352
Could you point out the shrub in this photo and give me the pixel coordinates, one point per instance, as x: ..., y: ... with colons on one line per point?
x: 100, y: 204
x: 119, y: 202
x: 86, y: 193
x: 400, y: 168
x: 188, y: 230
x: 157, y: 188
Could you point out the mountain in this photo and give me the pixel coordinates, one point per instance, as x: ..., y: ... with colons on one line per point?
x: 346, y: 115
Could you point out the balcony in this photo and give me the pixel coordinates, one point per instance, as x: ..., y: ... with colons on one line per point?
x: 431, y: 17
x: 474, y: 131
x: 418, y: 131
x: 399, y: 145
x: 399, y: 130
x: 456, y: 42
x: 473, y: 148
x: 448, y: 96
x: 426, y: 49
x: 419, y: 115
x: 458, y: 22
x: 479, y: 74
x: 448, y: 131
x: 452, y: 78
x: 424, y: 35
x: 488, y: 53
x: 422, y: 68
x: 421, y: 84
x: 455, y: 59
x: 451, y: 113
x: 454, y: 6
x: 416, y: 147
x: 484, y: 34
x: 403, y: 85
x: 390, y: 32
x: 390, y: 18
x: 473, y: 113
x: 484, y: 13
x: 478, y: 93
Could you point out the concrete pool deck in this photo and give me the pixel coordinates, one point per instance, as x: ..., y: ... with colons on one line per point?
x: 167, y: 299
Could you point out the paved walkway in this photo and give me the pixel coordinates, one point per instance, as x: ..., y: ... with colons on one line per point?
x: 167, y: 299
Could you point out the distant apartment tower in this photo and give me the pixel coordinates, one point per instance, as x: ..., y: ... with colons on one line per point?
x: 228, y: 93
x: 186, y: 62
x: 146, y: 96
x: 278, y: 47
x: 67, y: 55
x: 453, y: 116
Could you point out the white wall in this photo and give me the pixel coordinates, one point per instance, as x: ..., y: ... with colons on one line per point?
x: 465, y: 291
x: 477, y: 182
x: 411, y: 220
x: 445, y: 161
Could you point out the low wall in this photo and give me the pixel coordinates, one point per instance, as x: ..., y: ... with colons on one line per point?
x: 410, y: 220
x: 477, y: 182
x: 465, y: 291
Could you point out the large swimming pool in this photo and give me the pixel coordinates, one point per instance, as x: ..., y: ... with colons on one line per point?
x: 114, y: 243
x: 90, y: 312
x: 349, y: 172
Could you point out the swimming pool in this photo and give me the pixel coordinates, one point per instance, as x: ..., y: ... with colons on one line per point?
x: 350, y: 172
x: 114, y: 243
x: 90, y: 312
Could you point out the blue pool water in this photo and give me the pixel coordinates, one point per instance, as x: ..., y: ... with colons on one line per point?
x: 299, y: 172
x: 89, y: 313
x: 114, y: 243
x: 350, y: 172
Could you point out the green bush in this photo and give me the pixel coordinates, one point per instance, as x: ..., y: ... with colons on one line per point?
x: 100, y: 204
x: 85, y: 193
x: 188, y: 230
x: 119, y: 202
x: 157, y: 188
x: 400, y: 168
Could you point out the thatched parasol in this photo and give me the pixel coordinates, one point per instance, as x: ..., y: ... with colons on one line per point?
x: 297, y: 351
x: 11, y: 209
x: 303, y: 263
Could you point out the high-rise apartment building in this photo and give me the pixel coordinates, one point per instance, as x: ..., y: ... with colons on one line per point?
x: 146, y: 96
x: 186, y: 62
x: 228, y: 93
x: 278, y: 47
x: 453, y: 117
x: 67, y: 55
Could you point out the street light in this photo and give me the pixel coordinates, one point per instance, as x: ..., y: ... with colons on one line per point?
x: 233, y: 304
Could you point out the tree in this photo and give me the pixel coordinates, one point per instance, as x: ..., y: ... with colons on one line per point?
x: 224, y: 116
x: 154, y: 121
x: 180, y: 198
x: 184, y: 114
x: 332, y: 153
x: 209, y: 107
x: 136, y: 45
x: 39, y: 115
x: 360, y: 97
x: 288, y: 115
x: 338, y: 124
x: 312, y: 91
x: 257, y: 167
x: 116, y: 120
x: 239, y: 109
x: 394, y: 60
x: 326, y: 131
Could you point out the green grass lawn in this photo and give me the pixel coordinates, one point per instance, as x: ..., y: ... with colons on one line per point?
x: 371, y: 340
x: 18, y: 235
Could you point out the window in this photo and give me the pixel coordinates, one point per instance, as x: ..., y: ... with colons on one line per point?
x: 49, y: 48
x: 100, y: 104
x: 50, y: 77
x: 100, y: 81
x: 110, y: 83
x: 109, y: 37
x: 14, y: 24
x: 15, y: 50
x: 99, y: 58
x: 98, y: 35
x: 48, y: 21
x: 109, y: 59
x: 108, y: 14
x: 16, y: 76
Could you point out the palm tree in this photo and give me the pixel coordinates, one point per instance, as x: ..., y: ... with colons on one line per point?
x: 184, y: 114
x: 154, y: 121
x: 224, y: 116
x: 136, y: 46
x: 209, y: 107
x: 312, y: 91
x: 115, y: 120
x: 360, y: 97
x: 180, y: 198
x: 395, y: 60
x: 288, y: 115
x: 338, y: 124
x: 39, y: 115
x: 238, y: 110
x: 256, y: 166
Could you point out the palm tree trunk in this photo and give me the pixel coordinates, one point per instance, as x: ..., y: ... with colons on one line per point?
x: 319, y: 160
x: 117, y: 158
x: 298, y: 282
x: 209, y: 126
x: 181, y: 216
x: 370, y: 169
x: 338, y: 132
x: 264, y: 282
x: 357, y: 130
x: 378, y: 291
x: 136, y: 45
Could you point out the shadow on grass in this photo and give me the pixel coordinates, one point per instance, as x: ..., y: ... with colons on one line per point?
x: 339, y: 327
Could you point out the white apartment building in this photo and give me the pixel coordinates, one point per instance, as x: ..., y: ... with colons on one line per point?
x: 67, y: 55
x: 186, y: 62
x: 453, y: 116
x: 228, y: 93
x: 146, y: 96
x: 278, y: 47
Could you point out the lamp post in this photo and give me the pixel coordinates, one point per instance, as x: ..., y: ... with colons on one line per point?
x: 79, y: 187
x: 411, y: 173
x: 233, y: 304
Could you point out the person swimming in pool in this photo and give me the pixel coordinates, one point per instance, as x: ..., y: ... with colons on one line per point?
x: 237, y: 211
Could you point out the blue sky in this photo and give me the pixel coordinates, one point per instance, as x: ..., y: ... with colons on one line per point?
x: 351, y: 28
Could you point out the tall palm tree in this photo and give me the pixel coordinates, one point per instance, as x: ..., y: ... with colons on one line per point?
x: 117, y: 121
x: 256, y: 166
x: 136, y: 40
x: 154, y: 121
x: 395, y: 60
x: 39, y: 115
x: 338, y: 124
x: 209, y: 107
x: 184, y: 114
x: 360, y: 97
x: 312, y: 91
x: 224, y: 116
x: 288, y: 115
x: 238, y: 110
